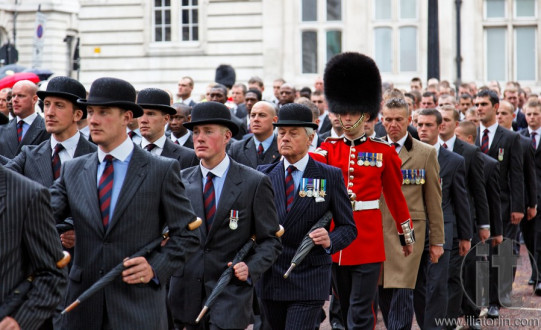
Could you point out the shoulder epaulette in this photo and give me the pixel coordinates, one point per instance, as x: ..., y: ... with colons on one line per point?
x: 332, y: 139
x: 321, y: 152
x: 379, y: 140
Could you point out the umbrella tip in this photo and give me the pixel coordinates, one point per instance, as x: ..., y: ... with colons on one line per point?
x: 201, y: 314
x: 286, y: 275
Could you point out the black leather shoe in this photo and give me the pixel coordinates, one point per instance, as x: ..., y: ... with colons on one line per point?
x: 493, y: 312
x: 476, y: 325
x: 537, y: 289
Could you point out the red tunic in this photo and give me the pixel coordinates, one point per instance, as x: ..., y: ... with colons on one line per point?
x: 367, y: 183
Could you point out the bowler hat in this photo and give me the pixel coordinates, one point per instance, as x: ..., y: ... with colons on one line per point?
x: 66, y: 88
x: 294, y: 114
x: 352, y: 84
x: 155, y: 98
x: 113, y: 92
x: 212, y: 113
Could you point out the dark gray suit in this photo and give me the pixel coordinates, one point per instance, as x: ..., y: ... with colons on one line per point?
x: 35, y: 162
x: 249, y: 192
x: 245, y: 152
x: 29, y: 244
x: 152, y: 196
x: 186, y: 157
x: 10, y: 146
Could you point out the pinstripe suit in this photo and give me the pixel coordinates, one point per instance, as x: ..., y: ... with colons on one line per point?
x: 29, y: 244
x: 35, y: 162
x: 249, y: 192
x: 151, y: 197
x: 9, y: 145
x: 185, y: 156
x: 312, y: 278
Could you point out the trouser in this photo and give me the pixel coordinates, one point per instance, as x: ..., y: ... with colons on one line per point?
x: 293, y: 315
x: 454, y: 287
x: 396, y: 308
x: 357, y: 286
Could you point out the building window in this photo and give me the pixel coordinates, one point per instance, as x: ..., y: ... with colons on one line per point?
x: 190, y: 20
x: 162, y: 20
x: 321, y: 33
x: 510, y: 29
x: 395, y: 25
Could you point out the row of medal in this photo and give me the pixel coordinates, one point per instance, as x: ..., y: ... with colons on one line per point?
x: 413, y: 176
x: 316, y: 188
x: 369, y: 159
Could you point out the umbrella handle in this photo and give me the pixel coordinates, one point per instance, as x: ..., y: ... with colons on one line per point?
x: 64, y: 261
x: 71, y: 307
x: 195, y: 224
x: 290, y: 269
x: 280, y: 231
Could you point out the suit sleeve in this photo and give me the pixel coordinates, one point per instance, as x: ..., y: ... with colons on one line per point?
x: 177, y: 212
x: 42, y: 246
x: 345, y: 230
x: 460, y: 202
x: 477, y: 189
x: 432, y: 199
x: 530, y: 178
x: 516, y: 175
x: 59, y: 197
x: 17, y: 164
x: 268, y: 247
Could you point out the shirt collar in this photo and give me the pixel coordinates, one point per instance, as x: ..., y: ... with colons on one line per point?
x: 491, y: 128
x: 29, y: 119
x: 400, y: 142
x: 181, y: 140
x: 300, y: 165
x: 450, y: 143
x: 68, y: 144
x: 218, y: 170
x: 121, y: 152
x: 267, y: 140
x: 159, y: 142
x: 538, y: 131
x: 437, y: 146
x: 136, y: 131
x: 335, y: 135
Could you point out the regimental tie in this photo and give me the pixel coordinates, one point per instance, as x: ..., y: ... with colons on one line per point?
x: 290, y: 187
x: 209, y: 199
x: 20, y: 130
x: 260, y: 149
x: 176, y: 142
x: 150, y: 146
x: 396, y: 146
x: 131, y: 134
x: 105, y: 189
x: 444, y: 145
x: 484, y: 141
x: 534, y: 142
x: 57, y: 164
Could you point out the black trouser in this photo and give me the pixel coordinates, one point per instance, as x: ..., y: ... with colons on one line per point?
x: 293, y: 315
x: 396, y: 308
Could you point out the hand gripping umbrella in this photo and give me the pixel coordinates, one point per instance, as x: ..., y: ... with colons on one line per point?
x: 113, y: 273
x: 307, y: 243
x: 226, y: 276
x: 18, y: 296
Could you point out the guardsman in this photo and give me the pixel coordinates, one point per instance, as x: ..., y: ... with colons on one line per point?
x: 369, y: 166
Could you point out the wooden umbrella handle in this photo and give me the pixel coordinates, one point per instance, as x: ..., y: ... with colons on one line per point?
x: 64, y: 261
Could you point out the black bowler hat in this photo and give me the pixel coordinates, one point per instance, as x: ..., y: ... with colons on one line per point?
x: 212, y: 113
x: 113, y: 92
x: 155, y: 98
x: 352, y: 85
x: 294, y: 114
x: 66, y: 88
x: 3, y: 119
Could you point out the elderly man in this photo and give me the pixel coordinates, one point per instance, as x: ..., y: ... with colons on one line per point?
x: 304, y: 191
x: 28, y: 128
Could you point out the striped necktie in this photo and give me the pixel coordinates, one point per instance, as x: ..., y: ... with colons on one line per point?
x: 105, y: 189
x: 209, y: 198
x: 20, y: 130
x: 484, y: 141
x: 149, y: 147
x: 534, y: 142
x: 290, y: 187
x: 56, y: 160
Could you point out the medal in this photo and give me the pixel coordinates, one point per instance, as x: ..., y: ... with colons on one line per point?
x: 322, y: 192
x: 422, y: 176
x: 379, y: 160
x: 309, y: 187
x: 302, y: 191
x: 359, y: 159
x: 407, y: 181
x: 372, y: 159
x: 316, y: 188
x: 403, y: 176
x: 500, y: 154
x: 417, y: 177
x: 366, y: 161
x: 234, y: 219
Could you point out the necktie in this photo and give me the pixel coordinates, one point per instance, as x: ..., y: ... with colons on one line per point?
x: 534, y: 142
x: 484, y: 141
x: 149, y: 147
x: 396, y: 146
x: 290, y: 187
x: 20, y: 130
x: 131, y: 134
x: 209, y: 199
x: 444, y: 145
x: 56, y: 160
x: 176, y: 142
x: 105, y: 189
x: 260, y: 149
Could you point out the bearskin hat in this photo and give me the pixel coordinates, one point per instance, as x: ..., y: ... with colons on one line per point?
x: 352, y: 84
x: 225, y: 75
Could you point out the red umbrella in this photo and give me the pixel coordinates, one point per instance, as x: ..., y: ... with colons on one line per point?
x: 9, y: 81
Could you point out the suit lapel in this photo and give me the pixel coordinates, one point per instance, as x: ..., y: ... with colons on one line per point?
x: 11, y: 132
x: 230, y: 192
x: 194, y: 189
x: 250, y: 152
x: 494, y: 145
x: 458, y: 148
x: 168, y: 151
x: 272, y: 154
x: 43, y: 162
x: 89, y: 183
x: 32, y: 132
x: 277, y: 177
x: 3, y: 190
x: 405, y: 156
x: 137, y: 170
x: 83, y: 147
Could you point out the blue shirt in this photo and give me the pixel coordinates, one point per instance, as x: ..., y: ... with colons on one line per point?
x: 220, y: 172
x: 266, y: 143
x: 122, y: 155
x: 27, y: 122
x: 297, y: 175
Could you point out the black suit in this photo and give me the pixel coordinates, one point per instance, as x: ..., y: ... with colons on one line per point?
x: 245, y: 152
x: 520, y: 121
x: 186, y: 157
x: 241, y: 123
x: 250, y: 193
x: 35, y: 162
x: 325, y: 126
x: 29, y: 244
x: 152, y: 196
x: 431, y: 289
x: 9, y: 145
x: 381, y: 132
x: 241, y: 111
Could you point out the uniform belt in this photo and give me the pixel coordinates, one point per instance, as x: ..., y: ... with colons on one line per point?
x: 365, y: 205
